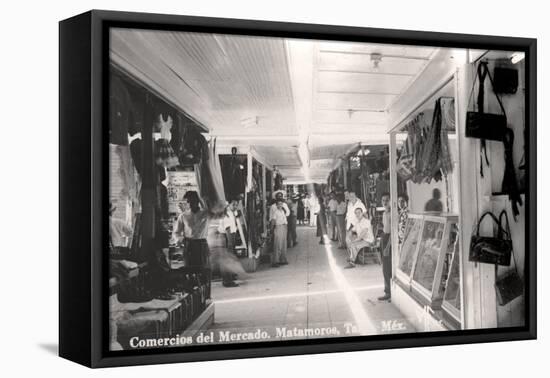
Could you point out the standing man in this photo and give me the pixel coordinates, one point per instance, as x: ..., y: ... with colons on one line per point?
x: 307, y: 208
x: 278, y: 219
x: 229, y: 227
x: 385, y: 247
x: 292, y: 237
x: 279, y: 195
x: 314, y: 208
x: 332, y: 204
x: 341, y: 209
x: 361, y: 236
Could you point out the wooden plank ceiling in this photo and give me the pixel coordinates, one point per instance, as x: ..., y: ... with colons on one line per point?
x: 276, y: 94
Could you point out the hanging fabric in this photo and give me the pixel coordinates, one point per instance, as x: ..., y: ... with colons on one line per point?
x: 425, y: 155
x: 211, y: 181
x: 164, y: 153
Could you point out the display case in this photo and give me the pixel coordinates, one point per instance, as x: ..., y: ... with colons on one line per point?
x: 452, y: 298
x: 439, y: 235
x: 408, y: 250
x: 426, y: 256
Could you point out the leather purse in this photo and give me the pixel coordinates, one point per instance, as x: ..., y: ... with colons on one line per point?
x: 506, y: 80
x: 481, y: 125
x: 485, y: 126
x: 489, y: 249
x: 510, y: 285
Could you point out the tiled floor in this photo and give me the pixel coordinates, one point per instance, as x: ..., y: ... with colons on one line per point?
x: 313, y: 293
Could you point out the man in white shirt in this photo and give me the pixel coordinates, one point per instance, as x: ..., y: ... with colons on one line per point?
x: 361, y: 236
x: 353, y: 203
x: 279, y: 222
x: 279, y: 196
x: 228, y: 226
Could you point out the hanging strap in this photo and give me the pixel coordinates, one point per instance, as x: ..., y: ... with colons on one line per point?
x: 482, y: 71
x: 500, y: 231
x: 509, y: 181
x: 500, y: 234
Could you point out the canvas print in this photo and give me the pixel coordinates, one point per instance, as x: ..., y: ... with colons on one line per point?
x: 266, y: 189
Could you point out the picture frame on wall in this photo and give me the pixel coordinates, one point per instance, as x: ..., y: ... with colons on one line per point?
x: 235, y: 188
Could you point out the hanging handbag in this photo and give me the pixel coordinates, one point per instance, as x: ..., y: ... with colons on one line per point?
x: 481, y: 125
x: 510, y: 285
x: 489, y: 249
x: 506, y: 80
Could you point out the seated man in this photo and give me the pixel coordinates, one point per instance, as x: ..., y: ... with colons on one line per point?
x: 361, y: 236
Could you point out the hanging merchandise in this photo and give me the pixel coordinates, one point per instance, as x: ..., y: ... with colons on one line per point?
x: 509, y: 181
x: 436, y: 156
x: 506, y: 80
x: 494, y: 127
x: 210, y: 179
x: 406, y: 162
x: 192, y: 144
x: 164, y: 153
x: 136, y: 151
x: 510, y: 285
x: 481, y: 125
x: 425, y: 155
x: 491, y: 249
x: 278, y: 180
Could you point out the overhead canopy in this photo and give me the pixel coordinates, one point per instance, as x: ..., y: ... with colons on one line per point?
x: 302, y: 104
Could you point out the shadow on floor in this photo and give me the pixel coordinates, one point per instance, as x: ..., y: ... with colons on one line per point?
x: 52, y: 348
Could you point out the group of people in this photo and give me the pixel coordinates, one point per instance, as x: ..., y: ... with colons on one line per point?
x: 349, y: 224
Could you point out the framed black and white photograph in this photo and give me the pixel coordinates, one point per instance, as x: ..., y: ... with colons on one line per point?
x: 258, y: 188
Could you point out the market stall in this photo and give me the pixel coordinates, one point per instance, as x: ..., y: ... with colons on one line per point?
x: 156, y: 155
x: 450, y: 183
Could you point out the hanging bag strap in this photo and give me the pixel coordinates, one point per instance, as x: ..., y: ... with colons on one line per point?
x: 482, y: 71
x: 504, y: 233
x: 494, y: 218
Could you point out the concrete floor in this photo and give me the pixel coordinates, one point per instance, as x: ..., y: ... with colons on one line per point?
x: 312, y: 293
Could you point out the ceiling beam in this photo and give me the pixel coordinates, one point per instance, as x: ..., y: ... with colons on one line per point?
x: 323, y: 51
x: 366, y: 72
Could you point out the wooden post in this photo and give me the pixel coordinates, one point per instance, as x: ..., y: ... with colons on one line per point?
x: 148, y: 190
x: 248, y: 171
x: 393, y: 197
x: 248, y: 189
x: 264, y: 199
x: 477, y: 279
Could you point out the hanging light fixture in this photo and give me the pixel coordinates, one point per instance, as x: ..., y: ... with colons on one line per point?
x: 375, y: 58
x: 517, y: 57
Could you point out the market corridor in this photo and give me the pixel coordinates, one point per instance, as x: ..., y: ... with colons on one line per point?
x: 312, y: 292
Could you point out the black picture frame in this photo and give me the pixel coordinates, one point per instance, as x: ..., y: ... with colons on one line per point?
x: 83, y: 72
